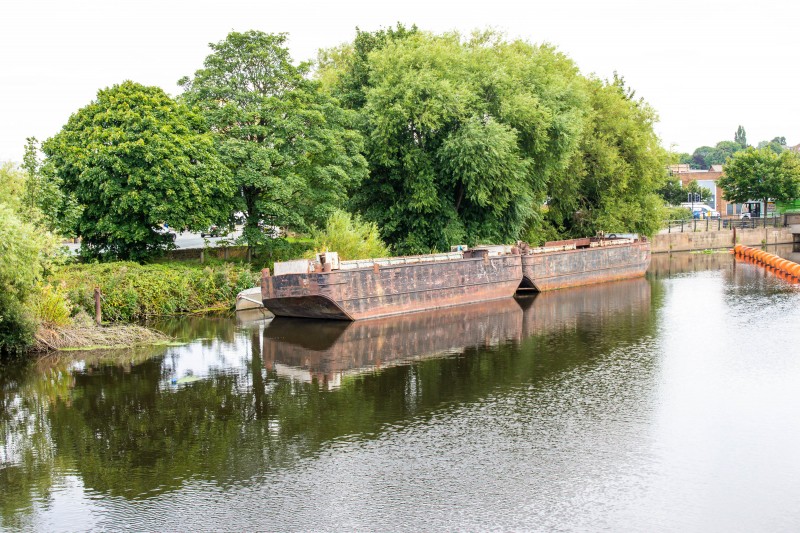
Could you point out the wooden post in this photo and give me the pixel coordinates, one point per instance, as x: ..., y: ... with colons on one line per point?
x: 202, y: 257
x: 98, y: 314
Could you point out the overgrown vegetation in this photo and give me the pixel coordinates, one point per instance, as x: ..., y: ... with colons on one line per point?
x: 25, y: 253
x: 132, y: 291
x: 350, y: 237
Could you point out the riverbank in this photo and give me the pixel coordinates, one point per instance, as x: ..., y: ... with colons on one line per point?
x: 89, y: 336
x: 130, y: 293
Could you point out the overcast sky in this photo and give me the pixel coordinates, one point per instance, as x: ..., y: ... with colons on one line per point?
x: 706, y: 66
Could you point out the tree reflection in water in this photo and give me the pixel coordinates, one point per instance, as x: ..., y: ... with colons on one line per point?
x: 267, y: 395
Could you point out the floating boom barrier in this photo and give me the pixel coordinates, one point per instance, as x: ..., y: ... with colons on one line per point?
x: 780, y: 265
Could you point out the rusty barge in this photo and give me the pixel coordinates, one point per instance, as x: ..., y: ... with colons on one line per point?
x: 562, y: 264
x: 354, y: 290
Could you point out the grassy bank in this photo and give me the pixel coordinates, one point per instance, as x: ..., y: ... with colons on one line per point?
x: 134, y: 292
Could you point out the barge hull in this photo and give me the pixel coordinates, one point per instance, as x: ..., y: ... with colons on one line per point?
x: 585, y: 266
x: 387, y: 290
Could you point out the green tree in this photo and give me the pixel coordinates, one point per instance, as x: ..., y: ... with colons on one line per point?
x: 672, y: 192
x: 136, y: 159
x: 44, y: 194
x: 291, y: 149
x: 25, y: 253
x: 685, y: 158
x: 702, y: 193
x: 345, y: 70
x: 777, y: 144
x: 740, y: 137
x: 462, y: 135
x: 620, y: 166
x: 762, y: 174
x: 22, y: 261
x: 725, y: 149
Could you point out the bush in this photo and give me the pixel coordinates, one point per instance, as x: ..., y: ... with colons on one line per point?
x: 133, y: 292
x: 679, y: 213
x: 23, y: 255
x: 350, y: 237
x: 52, y: 306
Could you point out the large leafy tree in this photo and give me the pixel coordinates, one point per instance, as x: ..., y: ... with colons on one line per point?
x: 291, y: 148
x: 615, y: 175
x: 762, y: 174
x: 462, y: 135
x: 136, y: 159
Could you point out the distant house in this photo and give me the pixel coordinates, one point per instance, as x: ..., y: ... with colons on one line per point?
x: 679, y: 169
x: 795, y: 148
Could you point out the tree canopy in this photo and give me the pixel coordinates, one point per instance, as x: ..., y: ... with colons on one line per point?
x: 290, y: 148
x: 617, y: 170
x: 762, y: 174
x: 136, y: 159
x: 469, y: 139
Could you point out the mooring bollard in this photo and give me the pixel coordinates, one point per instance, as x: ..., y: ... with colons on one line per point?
x: 98, y: 314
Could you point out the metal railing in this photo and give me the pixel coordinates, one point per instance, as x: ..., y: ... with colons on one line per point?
x: 720, y: 224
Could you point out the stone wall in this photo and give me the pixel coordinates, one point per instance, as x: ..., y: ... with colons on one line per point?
x: 709, y: 240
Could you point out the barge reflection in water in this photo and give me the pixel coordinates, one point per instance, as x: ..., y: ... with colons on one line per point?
x: 322, y: 350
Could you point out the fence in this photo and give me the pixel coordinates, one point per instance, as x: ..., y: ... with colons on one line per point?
x: 720, y: 224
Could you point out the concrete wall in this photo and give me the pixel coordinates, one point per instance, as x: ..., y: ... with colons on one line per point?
x: 230, y: 252
x: 707, y: 240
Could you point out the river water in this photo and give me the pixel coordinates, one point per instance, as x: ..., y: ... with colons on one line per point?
x: 669, y: 403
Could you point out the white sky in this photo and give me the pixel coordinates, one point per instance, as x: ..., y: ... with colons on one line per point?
x: 705, y: 65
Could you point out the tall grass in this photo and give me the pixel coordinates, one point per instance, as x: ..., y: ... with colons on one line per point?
x: 132, y: 291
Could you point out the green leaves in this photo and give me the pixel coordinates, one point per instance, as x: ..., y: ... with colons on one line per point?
x: 760, y: 174
x: 467, y: 139
x: 134, y: 160
x: 614, y: 175
x: 290, y: 149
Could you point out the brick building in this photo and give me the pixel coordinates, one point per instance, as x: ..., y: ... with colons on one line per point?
x: 707, y: 179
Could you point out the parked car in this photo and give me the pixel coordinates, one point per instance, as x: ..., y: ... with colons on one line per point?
x: 167, y: 232
x: 744, y: 215
x: 703, y: 211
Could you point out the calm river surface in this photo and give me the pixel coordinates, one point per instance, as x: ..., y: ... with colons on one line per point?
x: 670, y: 403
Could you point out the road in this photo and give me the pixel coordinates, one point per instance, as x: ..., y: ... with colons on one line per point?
x: 184, y: 240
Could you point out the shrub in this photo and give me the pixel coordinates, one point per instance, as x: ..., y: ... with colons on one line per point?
x: 679, y: 213
x: 52, y: 306
x: 132, y: 291
x: 23, y: 255
x: 350, y: 237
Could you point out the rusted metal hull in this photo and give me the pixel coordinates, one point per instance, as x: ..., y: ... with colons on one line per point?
x: 584, y: 266
x: 392, y: 289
